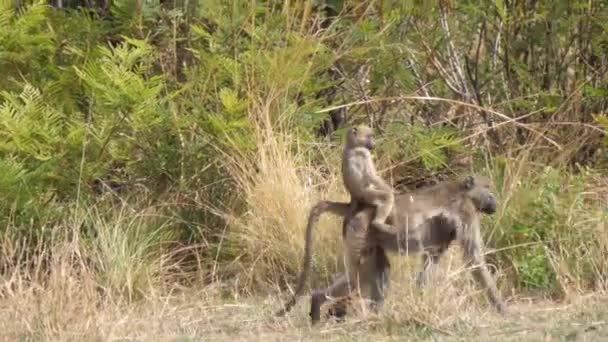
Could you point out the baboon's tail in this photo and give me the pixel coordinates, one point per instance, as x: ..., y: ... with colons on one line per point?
x: 337, y: 208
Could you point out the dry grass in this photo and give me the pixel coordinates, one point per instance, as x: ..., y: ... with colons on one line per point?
x: 278, y: 198
x: 70, y: 291
x: 120, y: 288
x: 67, y: 308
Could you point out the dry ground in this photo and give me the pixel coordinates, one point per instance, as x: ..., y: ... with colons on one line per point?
x: 204, y: 316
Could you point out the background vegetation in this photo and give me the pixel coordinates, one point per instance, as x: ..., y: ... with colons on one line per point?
x: 152, y: 147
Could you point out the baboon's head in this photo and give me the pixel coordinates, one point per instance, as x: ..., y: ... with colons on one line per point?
x: 477, y: 189
x: 360, y: 136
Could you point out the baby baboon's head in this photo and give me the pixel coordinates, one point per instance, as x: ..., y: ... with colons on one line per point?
x: 477, y: 188
x: 360, y: 136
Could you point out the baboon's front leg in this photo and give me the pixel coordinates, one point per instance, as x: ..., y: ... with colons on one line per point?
x: 474, y: 259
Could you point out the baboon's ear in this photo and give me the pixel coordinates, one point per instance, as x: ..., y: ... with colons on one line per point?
x: 468, y: 183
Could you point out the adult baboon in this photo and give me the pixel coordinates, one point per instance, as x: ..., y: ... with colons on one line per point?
x: 436, y: 229
x: 456, y: 203
x: 428, y: 232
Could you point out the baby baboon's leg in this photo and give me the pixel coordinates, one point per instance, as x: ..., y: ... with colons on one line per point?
x: 383, y: 200
x: 384, y: 207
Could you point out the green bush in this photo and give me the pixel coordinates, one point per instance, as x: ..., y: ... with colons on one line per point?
x: 543, y: 234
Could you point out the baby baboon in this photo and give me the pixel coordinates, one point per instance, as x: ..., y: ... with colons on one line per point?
x: 427, y: 214
x: 361, y: 178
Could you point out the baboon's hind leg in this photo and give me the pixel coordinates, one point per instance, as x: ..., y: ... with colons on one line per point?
x: 340, y: 288
x: 374, y: 275
x: 379, y: 277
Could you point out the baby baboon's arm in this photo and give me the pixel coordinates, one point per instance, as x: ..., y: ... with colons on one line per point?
x: 369, y: 170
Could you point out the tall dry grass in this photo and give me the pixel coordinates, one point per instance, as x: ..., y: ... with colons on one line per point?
x: 90, y: 261
x: 278, y: 196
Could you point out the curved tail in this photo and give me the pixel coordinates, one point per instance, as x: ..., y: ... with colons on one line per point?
x: 337, y: 208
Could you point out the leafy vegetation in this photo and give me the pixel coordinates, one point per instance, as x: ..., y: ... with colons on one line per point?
x: 184, y: 142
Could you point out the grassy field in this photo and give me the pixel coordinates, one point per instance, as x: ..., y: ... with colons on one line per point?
x: 203, y: 316
x: 69, y: 305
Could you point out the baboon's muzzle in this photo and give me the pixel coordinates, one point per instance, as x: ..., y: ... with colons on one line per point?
x: 489, y: 206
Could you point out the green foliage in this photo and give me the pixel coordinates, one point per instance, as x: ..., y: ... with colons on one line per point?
x: 129, y: 121
x: 431, y: 146
x: 35, y: 142
x: 27, y: 45
x: 602, y: 120
x: 29, y: 127
x: 13, y: 182
x: 541, y: 205
x: 537, y: 229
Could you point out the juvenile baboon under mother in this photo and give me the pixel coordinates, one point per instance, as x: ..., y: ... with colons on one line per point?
x: 367, y: 264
